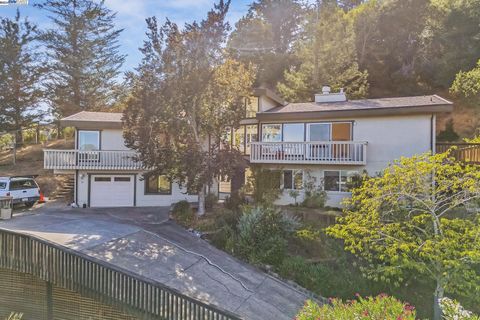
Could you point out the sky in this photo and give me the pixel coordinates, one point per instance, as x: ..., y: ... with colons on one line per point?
x: 131, y: 16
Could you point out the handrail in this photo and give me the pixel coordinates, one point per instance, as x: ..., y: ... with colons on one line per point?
x: 97, y: 279
x: 310, y: 152
x: 91, y: 160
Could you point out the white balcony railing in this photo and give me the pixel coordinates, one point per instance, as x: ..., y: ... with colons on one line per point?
x: 90, y: 160
x: 315, y: 152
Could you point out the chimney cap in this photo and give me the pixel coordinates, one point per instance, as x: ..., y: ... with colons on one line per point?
x: 326, y: 89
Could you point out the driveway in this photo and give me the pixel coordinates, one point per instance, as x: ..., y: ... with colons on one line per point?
x: 146, y: 242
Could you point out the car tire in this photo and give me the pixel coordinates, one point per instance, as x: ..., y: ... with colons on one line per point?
x: 29, y: 204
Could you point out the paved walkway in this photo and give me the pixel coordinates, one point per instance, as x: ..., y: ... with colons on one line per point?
x: 144, y: 241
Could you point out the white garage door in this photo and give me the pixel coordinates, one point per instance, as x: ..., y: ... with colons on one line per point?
x: 111, y: 191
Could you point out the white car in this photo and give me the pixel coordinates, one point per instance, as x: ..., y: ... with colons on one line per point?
x: 23, y: 190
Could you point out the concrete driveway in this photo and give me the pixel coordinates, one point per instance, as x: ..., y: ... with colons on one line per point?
x: 146, y: 242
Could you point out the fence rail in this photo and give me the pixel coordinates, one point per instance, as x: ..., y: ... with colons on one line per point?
x: 317, y: 152
x: 90, y: 160
x: 93, y: 278
x: 462, y: 151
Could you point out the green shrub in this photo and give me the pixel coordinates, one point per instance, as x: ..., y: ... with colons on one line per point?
x: 265, y: 185
x: 262, y: 235
x: 235, y: 201
x: 315, y: 197
x: 382, y: 307
x: 210, y: 200
x: 183, y: 213
x: 452, y: 310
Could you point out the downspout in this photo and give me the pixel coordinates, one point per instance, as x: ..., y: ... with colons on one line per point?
x: 433, y: 130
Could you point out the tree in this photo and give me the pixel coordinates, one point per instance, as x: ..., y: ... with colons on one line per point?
x: 265, y: 37
x: 467, y: 85
x: 83, y: 50
x: 418, y: 217
x: 327, y: 56
x: 451, y: 40
x: 20, y: 75
x: 185, y: 92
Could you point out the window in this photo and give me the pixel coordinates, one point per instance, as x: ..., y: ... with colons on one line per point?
x: 88, y: 140
x: 121, y: 179
x: 251, y: 107
x: 293, y: 132
x: 102, y: 179
x: 22, y: 184
x: 293, y: 179
x: 251, y: 136
x: 3, y: 185
x: 272, y: 132
x: 239, y: 139
x: 338, y: 180
x: 157, y: 184
x: 224, y: 185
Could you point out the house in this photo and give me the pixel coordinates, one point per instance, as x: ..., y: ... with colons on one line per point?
x: 327, y: 141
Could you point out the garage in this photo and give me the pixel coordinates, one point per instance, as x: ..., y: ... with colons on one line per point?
x: 112, y: 191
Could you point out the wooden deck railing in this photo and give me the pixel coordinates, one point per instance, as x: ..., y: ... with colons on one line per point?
x: 318, y: 152
x: 90, y: 160
x: 96, y: 279
x: 463, y: 151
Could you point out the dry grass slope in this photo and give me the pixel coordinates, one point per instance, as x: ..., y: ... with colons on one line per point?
x: 30, y: 162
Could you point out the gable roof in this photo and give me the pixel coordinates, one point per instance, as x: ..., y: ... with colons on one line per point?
x: 93, y: 120
x: 365, y: 107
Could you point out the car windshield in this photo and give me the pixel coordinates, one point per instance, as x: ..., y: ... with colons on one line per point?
x: 3, y: 185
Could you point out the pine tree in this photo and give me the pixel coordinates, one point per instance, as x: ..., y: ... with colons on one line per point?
x: 328, y: 56
x: 85, y: 60
x: 20, y: 75
x: 185, y: 92
x: 265, y: 35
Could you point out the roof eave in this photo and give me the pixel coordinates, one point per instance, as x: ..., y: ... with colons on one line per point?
x: 444, y: 108
x: 84, y: 124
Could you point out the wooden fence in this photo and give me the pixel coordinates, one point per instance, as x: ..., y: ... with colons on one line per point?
x: 462, y: 151
x: 93, y: 278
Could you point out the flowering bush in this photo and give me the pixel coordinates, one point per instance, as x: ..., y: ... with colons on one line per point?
x: 452, y: 310
x: 382, y: 307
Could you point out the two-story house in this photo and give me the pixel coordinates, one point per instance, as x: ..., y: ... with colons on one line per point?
x: 326, y: 141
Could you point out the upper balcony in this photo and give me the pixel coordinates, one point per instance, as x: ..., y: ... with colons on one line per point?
x: 314, y: 152
x: 90, y: 160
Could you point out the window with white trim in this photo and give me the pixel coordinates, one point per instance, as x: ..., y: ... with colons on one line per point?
x: 338, y: 180
x: 292, y: 179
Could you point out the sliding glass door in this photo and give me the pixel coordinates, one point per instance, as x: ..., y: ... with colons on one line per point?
x: 321, y: 132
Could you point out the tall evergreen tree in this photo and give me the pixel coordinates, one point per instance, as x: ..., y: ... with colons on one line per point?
x: 185, y: 92
x: 328, y: 56
x: 20, y: 75
x: 265, y: 36
x: 83, y: 50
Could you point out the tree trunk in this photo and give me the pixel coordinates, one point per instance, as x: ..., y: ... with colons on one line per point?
x: 439, y: 293
x: 201, y: 201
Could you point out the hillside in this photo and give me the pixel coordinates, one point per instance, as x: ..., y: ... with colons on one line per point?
x: 30, y: 162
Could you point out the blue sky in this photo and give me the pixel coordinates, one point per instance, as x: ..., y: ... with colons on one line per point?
x: 131, y: 16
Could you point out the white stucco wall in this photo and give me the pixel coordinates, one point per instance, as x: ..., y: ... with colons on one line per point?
x: 389, y: 138
x: 142, y: 199
x: 112, y: 139
x: 265, y: 103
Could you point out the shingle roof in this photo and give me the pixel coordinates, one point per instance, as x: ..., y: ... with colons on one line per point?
x: 94, y: 116
x: 402, y: 105
x: 402, y: 102
x: 93, y: 120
